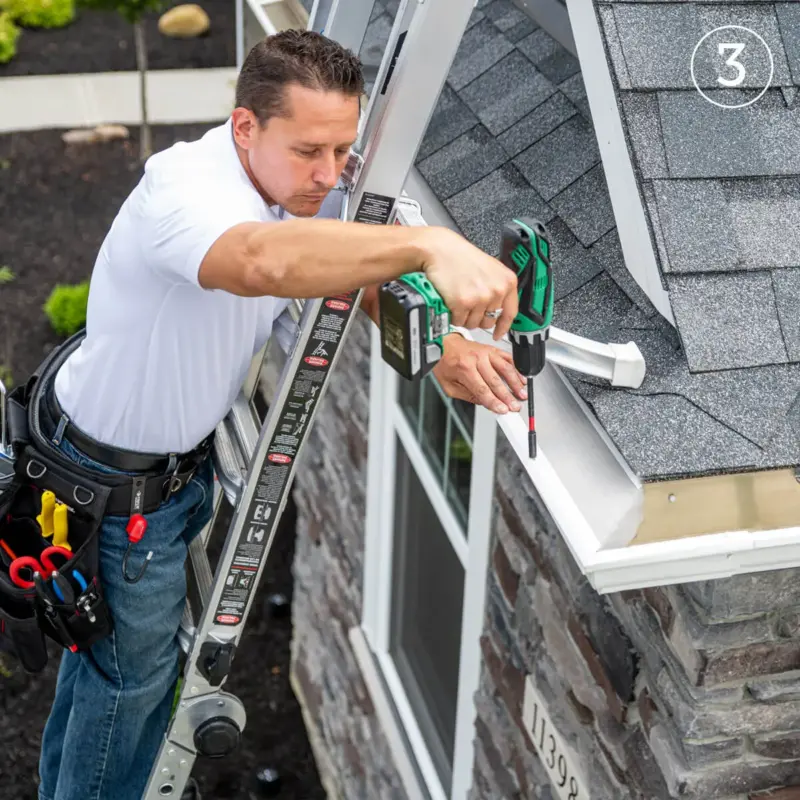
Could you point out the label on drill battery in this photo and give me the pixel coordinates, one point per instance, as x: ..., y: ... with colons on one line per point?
x: 271, y: 488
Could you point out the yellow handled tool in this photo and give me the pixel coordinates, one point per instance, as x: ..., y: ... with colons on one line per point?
x: 60, y: 527
x: 45, y: 519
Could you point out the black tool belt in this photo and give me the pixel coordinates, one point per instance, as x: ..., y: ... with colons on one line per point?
x: 45, y: 591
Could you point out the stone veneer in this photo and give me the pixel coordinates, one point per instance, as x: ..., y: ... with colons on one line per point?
x: 690, y: 691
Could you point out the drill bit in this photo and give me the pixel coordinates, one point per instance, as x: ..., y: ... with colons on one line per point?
x: 531, y: 420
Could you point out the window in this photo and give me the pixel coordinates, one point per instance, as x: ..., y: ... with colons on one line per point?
x: 427, y: 599
x: 444, y: 428
x: 426, y: 555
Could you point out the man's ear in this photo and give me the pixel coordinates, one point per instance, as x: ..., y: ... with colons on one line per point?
x: 245, y: 126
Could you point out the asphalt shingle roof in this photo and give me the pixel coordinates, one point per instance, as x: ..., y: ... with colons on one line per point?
x: 512, y: 134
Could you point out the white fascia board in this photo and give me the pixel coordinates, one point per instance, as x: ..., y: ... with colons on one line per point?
x: 626, y: 201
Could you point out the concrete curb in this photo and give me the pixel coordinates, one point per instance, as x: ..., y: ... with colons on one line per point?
x: 37, y: 102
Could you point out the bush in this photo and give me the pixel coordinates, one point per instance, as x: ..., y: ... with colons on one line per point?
x: 9, y: 33
x: 66, y: 308
x: 41, y: 13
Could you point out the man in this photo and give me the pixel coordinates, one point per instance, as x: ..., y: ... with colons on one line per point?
x: 204, y: 255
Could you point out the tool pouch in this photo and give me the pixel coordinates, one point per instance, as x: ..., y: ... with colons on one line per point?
x: 79, y: 617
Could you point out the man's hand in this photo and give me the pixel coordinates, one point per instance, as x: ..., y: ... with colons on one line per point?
x: 480, y: 374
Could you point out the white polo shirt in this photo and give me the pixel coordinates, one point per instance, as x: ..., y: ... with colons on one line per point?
x: 163, y: 358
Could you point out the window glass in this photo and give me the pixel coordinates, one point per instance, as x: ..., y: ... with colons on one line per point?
x: 427, y: 598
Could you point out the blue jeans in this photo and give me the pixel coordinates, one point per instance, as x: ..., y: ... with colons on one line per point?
x: 106, y: 726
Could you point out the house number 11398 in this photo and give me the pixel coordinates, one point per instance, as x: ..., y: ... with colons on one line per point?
x: 555, y: 754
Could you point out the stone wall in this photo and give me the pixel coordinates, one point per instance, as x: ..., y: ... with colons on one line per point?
x: 689, y: 691
x: 351, y: 751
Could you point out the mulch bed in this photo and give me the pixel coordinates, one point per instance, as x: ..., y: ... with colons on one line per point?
x: 101, y: 41
x: 56, y: 204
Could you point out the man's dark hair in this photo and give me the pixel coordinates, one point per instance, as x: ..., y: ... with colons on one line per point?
x: 294, y: 56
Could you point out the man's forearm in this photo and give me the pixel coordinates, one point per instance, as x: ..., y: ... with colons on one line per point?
x: 318, y: 257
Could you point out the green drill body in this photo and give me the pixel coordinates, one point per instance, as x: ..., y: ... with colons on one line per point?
x: 525, y: 248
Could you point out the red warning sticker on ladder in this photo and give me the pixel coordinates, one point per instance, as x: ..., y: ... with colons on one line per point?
x: 227, y: 619
x: 338, y: 305
x: 279, y: 458
x: 316, y: 361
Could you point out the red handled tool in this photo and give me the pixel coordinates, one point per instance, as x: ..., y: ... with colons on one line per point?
x: 43, y: 565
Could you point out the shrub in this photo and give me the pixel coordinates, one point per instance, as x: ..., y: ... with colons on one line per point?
x: 7, y: 377
x: 42, y: 13
x: 6, y: 275
x: 66, y: 308
x: 9, y: 33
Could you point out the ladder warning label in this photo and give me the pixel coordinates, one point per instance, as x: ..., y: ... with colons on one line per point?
x: 270, y: 492
x: 374, y: 209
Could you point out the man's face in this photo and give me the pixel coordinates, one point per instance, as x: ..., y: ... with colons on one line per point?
x: 295, y: 160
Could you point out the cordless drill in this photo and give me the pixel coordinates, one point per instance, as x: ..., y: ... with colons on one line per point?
x: 525, y: 248
x: 414, y: 318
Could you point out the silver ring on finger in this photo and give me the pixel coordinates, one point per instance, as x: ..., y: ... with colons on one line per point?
x: 493, y: 314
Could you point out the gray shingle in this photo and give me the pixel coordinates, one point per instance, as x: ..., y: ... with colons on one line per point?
x: 481, y: 47
x: 594, y: 310
x: 585, y: 206
x: 644, y: 128
x: 553, y: 60
x: 784, y: 447
x: 377, y: 9
x: 698, y: 232
x: 658, y: 42
x: 651, y: 207
x: 513, y: 23
x: 375, y: 40
x: 573, y: 265
x: 666, y: 436
x: 506, y: 92
x: 481, y: 210
x: 574, y: 89
x: 475, y: 17
x: 543, y: 119
x: 787, y: 295
x: 760, y: 19
x: 609, y: 28
x: 727, y: 321
x: 608, y: 253
x: 462, y: 162
x: 789, y: 22
x: 751, y: 401
x: 560, y: 157
x: 730, y: 224
x: 789, y: 95
x: 705, y: 141
x: 450, y: 119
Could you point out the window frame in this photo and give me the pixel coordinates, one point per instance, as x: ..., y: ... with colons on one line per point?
x: 388, y: 428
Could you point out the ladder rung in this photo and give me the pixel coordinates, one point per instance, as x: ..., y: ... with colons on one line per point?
x: 228, y: 463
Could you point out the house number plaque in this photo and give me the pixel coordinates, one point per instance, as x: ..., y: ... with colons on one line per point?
x: 557, y: 757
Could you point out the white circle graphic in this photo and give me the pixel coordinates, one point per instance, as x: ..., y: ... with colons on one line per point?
x: 771, y: 66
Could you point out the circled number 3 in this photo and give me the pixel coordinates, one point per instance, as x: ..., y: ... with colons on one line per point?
x: 732, y: 62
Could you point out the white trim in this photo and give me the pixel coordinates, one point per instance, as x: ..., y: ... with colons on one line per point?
x: 481, y: 503
x: 378, y: 549
x: 431, y: 485
x: 239, y: 34
x: 410, y: 726
x: 266, y: 23
x: 634, y: 235
x: 383, y: 703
